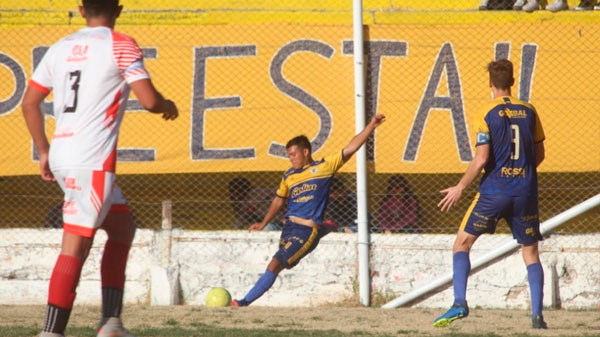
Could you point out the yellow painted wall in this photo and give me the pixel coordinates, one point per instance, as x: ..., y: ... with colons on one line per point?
x: 570, y: 119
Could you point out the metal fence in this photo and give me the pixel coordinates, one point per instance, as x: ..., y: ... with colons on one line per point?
x: 248, y: 76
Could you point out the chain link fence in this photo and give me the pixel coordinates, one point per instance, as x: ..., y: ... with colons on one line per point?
x: 249, y: 75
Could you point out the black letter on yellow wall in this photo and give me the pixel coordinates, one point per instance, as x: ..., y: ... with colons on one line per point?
x: 445, y: 60
x: 375, y: 50
x: 300, y: 94
x: 19, y: 75
x: 200, y: 103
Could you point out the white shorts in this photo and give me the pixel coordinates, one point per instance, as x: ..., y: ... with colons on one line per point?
x: 89, y: 196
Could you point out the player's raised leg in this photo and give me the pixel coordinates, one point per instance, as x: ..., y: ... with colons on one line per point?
x: 262, y: 285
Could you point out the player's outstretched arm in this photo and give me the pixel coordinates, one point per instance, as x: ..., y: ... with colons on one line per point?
x: 454, y: 193
x: 152, y: 100
x: 35, y: 123
x: 276, y: 205
x: 362, y: 137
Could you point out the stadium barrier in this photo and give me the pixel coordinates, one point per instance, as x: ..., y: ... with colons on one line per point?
x: 249, y: 75
x: 327, y: 276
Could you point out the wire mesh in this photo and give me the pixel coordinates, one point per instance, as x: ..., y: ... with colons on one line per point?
x: 248, y: 76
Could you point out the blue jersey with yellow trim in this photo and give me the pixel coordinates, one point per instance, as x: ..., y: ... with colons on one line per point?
x: 512, y: 128
x: 307, y: 189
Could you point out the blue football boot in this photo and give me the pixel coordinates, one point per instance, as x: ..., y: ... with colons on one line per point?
x: 457, y: 311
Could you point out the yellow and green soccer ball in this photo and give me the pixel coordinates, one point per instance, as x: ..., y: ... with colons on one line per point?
x: 218, y: 297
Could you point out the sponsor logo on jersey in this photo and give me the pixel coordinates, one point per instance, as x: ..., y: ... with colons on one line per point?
x: 529, y: 217
x: 296, y: 191
x: 70, y: 207
x: 511, y: 172
x: 71, y: 184
x: 512, y: 113
x: 480, y: 226
x: 530, y: 231
x: 305, y: 198
x: 78, y: 53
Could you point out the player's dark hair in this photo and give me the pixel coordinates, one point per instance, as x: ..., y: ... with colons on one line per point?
x: 301, y: 142
x: 95, y: 8
x: 501, y: 73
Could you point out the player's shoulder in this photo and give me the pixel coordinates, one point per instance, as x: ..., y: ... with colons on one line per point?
x: 122, y: 38
x: 493, y: 105
x: 516, y: 101
x: 288, y: 172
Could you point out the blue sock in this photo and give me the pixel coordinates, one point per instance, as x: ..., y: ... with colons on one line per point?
x: 535, y: 276
x: 461, y: 266
x: 264, y: 283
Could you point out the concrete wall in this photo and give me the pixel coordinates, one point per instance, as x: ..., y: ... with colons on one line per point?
x: 201, y: 260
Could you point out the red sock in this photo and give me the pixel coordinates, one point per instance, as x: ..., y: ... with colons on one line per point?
x: 64, y: 280
x: 114, y: 262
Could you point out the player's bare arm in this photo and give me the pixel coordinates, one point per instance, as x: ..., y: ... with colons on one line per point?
x: 152, y: 100
x: 35, y: 123
x: 540, y: 153
x: 276, y: 205
x: 362, y: 137
x: 454, y: 193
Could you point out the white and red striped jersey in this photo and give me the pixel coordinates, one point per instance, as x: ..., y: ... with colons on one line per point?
x: 88, y: 72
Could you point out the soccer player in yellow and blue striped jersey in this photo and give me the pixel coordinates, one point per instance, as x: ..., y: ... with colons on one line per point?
x: 509, y: 148
x: 305, y: 188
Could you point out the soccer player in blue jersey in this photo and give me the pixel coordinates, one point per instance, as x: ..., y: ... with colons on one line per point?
x: 509, y: 148
x: 305, y: 187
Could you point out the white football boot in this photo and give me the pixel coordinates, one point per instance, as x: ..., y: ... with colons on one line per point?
x: 113, y: 327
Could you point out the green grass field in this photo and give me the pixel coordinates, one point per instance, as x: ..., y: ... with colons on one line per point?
x: 331, y: 321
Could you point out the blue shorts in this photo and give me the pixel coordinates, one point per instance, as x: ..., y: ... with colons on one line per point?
x: 521, y: 214
x: 296, y: 242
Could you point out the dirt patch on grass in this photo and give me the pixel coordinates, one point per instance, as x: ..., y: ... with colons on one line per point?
x: 408, y: 322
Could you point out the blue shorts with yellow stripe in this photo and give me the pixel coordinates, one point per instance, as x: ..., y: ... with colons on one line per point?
x: 520, y: 212
x: 296, y: 242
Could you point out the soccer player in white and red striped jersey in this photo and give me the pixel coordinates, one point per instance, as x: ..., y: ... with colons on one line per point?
x: 90, y: 74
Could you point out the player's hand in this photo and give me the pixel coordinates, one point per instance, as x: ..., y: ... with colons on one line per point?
x: 45, y: 168
x: 257, y: 226
x: 171, y: 112
x: 451, y: 198
x: 377, y: 120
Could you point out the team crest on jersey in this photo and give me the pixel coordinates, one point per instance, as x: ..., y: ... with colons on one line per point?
x: 314, y: 170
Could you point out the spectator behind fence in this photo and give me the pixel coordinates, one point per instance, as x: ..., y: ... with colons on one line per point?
x: 249, y: 204
x: 341, y: 209
x: 399, y: 211
x: 557, y: 5
x: 496, y: 4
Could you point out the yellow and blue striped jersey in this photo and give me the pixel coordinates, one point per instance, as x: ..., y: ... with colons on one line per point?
x: 512, y: 128
x: 307, y: 189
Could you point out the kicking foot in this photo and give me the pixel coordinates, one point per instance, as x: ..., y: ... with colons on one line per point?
x: 238, y: 303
